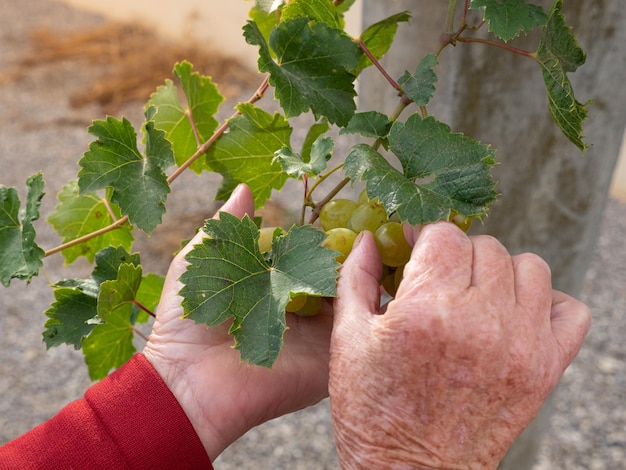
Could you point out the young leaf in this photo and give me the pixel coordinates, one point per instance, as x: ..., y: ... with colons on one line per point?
x: 120, y: 291
x: 139, y: 183
x: 269, y: 5
x: 110, y: 344
x: 322, y: 11
x: 558, y: 54
x: 510, y: 17
x: 74, y: 314
x: 229, y: 277
x: 20, y: 256
x: 368, y: 124
x: 188, y: 124
x: 420, y: 87
x: 77, y: 215
x: 246, y: 152
x: 312, y: 67
x: 455, y: 169
x: 295, y: 165
x: 379, y: 37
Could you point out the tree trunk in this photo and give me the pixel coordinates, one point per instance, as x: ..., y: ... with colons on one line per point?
x: 552, y: 198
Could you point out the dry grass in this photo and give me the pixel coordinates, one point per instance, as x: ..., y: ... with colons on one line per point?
x: 134, y: 61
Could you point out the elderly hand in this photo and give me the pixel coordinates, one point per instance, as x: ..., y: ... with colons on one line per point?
x: 459, y: 363
x: 223, y: 397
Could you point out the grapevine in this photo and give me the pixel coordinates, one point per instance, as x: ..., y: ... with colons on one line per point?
x: 410, y: 170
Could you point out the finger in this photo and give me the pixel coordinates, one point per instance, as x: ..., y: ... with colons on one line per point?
x: 533, y: 284
x: 441, y: 259
x: 358, y: 294
x: 492, y: 266
x: 570, y: 321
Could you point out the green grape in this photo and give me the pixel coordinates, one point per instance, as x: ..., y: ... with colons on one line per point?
x: 393, y: 248
x: 296, y: 303
x: 364, y: 198
x: 266, y: 236
x: 368, y: 216
x: 311, y: 307
x: 340, y: 239
x: 464, y: 223
x: 336, y: 213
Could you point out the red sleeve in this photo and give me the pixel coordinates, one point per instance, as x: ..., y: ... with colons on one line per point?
x: 128, y: 420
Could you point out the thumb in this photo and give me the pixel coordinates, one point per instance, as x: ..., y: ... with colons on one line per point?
x: 358, y: 289
x: 570, y: 323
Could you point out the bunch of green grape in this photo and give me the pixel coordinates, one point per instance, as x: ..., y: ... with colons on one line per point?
x: 342, y: 220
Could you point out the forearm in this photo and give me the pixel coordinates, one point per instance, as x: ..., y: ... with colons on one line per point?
x: 128, y: 420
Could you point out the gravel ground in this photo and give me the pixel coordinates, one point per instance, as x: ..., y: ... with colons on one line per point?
x: 39, y: 130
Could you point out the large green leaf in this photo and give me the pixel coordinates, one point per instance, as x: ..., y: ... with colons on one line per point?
x: 139, y: 183
x: 228, y: 277
x: 20, y: 256
x: 558, y: 54
x: 441, y: 171
x: 77, y: 215
x: 508, y: 18
x: 191, y: 122
x: 312, y: 67
x: 246, y: 152
x: 379, y: 37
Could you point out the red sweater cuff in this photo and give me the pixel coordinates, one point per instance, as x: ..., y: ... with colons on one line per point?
x: 128, y: 420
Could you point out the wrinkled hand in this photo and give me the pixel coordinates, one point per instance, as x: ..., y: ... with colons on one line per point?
x: 459, y: 363
x: 223, y: 397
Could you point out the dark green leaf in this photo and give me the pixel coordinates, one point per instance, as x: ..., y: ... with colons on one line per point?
x: 379, y: 37
x: 368, y: 124
x: 508, y: 18
x: 202, y: 100
x: 558, y: 54
x: 139, y: 183
x: 246, y: 152
x: 312, y: 67
x: 313, y: 133
x: 228, y: 265
x: 294, y: 165
x: 20, y: 256
x: 441, y: 171
x: 77, y: 215
x: 420, y: 86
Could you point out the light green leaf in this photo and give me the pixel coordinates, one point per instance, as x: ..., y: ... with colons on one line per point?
x: 558, y: 54
x: 174, y: 116
x: 148, y: 295
x: 322, y: 11
x: 508, y: 18
x: 20, y: 256
x: 441, y: 171
x: 316, y: 130
x: 77, y: 215
x: 139, y: 183
x: 228, y: 277
x: 110, y: 344
x: 295, y: 165
x: 269, y: 5
x: 312, y: 68
x: 246, y: 152
x: 379, y: 37
x: 420, y: 87
x: 120, y: 291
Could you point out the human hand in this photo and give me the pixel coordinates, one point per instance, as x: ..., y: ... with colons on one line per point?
x: 223, y: 397
x: 459, y: 363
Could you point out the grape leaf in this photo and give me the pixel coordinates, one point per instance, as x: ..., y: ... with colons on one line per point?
x: 20, y: 256
x: 110, y: 344
x: 368, y: 124
x: 148, y: 295
x: 322, y: 11
x: 507, y: 18
x: 269, y: 5
x: 77, y: 215
x: 312, y: 68
x: 454, y: 168
x: 266, y: 21
x: 175, y: 117
x: 558, y: 54
x: 139, y: 183
x: 246, y: 152
x: 296, y: 166
x: 420, y: 86
x: 229, y: 277
x: 74, y: 314
x: 316, y: 130
x: 379, y: 37
x: 120, y: 291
